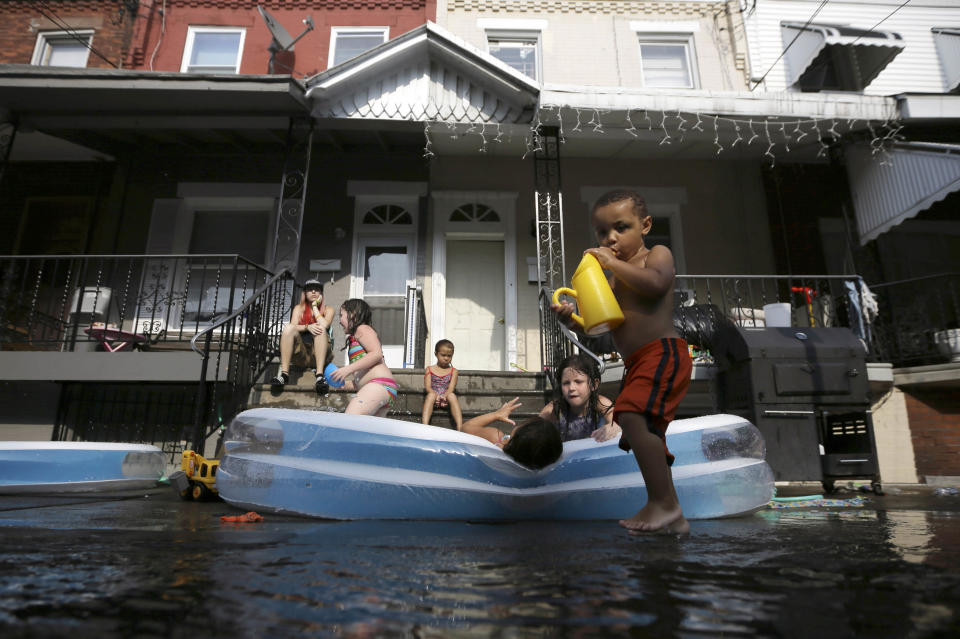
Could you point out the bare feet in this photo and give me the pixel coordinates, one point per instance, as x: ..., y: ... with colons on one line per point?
x: 655, y: 518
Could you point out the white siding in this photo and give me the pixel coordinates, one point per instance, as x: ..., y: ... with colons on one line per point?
x: 586, y: 46
x: 916, y: 69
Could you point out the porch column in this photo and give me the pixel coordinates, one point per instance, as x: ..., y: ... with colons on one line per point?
x: 551, y: 265
x: 293, y: 191
x: 8, y: 131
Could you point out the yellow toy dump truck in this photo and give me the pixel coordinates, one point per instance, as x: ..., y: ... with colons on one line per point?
x: 197, y: 477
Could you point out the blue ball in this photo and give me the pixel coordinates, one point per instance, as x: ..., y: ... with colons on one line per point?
x: 326, y: 373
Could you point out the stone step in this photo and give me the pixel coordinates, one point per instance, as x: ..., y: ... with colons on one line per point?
x: 479, y: 392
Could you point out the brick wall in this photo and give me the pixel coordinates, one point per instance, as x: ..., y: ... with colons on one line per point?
x: 21, y: 22
x: 935, y: 428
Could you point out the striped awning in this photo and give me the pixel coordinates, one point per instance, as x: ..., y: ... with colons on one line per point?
x: 887, y: 193
x: 835, y: 57
x: 948, y: 48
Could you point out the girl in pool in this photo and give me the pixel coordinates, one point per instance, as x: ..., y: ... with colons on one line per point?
x: 577, y: 409
x: 366, y: 373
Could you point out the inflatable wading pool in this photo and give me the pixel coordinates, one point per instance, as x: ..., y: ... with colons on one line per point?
x: 71, y: 467
x: 340, y: 466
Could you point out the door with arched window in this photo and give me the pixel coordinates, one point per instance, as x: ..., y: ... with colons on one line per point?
x: 384, y: 265
x: 474, y: 277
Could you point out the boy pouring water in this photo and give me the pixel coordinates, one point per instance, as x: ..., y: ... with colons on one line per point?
x: 657, y: 363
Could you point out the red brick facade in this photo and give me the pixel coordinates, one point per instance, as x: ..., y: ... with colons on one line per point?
x: 155, y: 38
x: 21, y: 22
x: 935, y: 428
x: 311, y: 52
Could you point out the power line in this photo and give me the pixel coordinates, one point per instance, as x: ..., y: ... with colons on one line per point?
x: 58, y: 21
x: 787, y: 48
x: 905, y: 3
x: 800, y: 31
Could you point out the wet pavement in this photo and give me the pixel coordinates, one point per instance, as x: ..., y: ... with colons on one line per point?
x: 148, y: 565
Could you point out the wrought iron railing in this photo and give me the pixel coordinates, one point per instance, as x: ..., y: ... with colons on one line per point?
x: 755, y: 301
x: 236, y: 350
x: 50, y: 303
x: 554, y: 344
x: 919, y: 319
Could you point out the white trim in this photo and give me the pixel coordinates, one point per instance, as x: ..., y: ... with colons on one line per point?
x: 685, y: 40
x: 512, y: 24
x: 664, y: 26
x: 370, y: 193
x: 335, y: 32
x: 518, y: 35
x: 662, y: 202
x: 192, y: 32
x: 44, y: 38
x: 504, y: 203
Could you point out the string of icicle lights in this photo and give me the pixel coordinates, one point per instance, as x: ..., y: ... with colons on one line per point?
x: 672, y: 127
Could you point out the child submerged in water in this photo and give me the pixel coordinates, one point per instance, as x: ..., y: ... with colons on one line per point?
x: 657, y: 362
x: 440, y: 381
x: 535, y: 443
x: 366, y: 373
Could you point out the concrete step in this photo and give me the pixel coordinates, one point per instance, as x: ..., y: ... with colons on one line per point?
x: 479, y: 392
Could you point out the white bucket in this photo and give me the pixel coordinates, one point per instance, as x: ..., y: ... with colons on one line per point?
x: 777, y: 314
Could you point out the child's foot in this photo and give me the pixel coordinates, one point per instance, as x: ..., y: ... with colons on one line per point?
x: 321, y: 385
x: 281, y: 379
x: 654, y: 518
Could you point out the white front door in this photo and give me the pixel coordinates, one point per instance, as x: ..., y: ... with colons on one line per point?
x: 384, y: 269
x: 475, y: 304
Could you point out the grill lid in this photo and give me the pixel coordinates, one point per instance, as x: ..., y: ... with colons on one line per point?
x: 736, y: 344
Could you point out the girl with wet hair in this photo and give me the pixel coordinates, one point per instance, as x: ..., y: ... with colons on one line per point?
x: 367, y: 372
x: 578, y: 410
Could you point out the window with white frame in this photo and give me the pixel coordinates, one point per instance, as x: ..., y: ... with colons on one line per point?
x: 667, y: 61
x: 349, y: 42
x: 62, y: 48
x: 518, y: 49
x: 213, y: 50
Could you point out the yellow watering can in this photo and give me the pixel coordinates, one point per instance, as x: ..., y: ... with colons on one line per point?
x: 595, y: 299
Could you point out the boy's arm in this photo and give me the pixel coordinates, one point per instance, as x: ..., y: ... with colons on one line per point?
x: 651, y: 277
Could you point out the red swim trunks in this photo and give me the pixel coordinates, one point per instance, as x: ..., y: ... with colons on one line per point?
x: 656, y: 379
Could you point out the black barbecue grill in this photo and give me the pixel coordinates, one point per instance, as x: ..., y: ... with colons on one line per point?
x: 806, y: 389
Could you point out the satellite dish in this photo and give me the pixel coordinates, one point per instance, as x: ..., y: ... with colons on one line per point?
x: 282, y: 40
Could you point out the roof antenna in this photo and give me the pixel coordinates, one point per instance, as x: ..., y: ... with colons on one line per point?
x: 282, y: 40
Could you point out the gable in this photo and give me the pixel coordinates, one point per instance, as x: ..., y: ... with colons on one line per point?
x: 424, y: 75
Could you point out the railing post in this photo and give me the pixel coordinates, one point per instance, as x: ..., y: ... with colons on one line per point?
x: 199, y: 409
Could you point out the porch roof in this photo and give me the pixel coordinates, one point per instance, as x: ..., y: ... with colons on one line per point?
x: 110, y: 109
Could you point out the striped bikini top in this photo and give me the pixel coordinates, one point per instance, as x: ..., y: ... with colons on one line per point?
x: 355, y: 351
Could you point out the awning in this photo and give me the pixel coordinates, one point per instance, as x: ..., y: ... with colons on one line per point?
x: 886, y: 194
x: 948, y: 48
x: 833, y: 57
